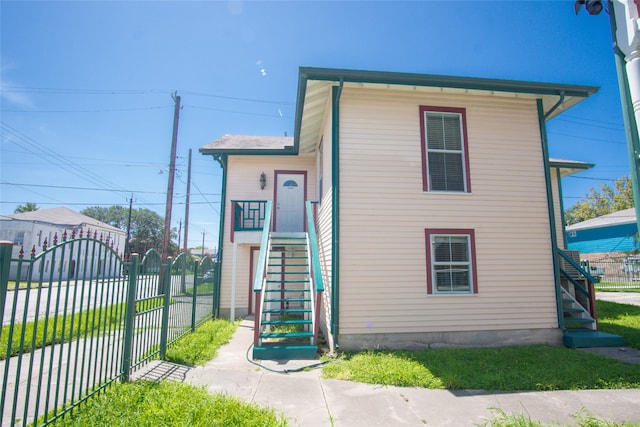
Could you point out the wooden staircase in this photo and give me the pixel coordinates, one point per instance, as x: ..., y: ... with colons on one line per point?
x: 578, y: 307
x: 286, y: 312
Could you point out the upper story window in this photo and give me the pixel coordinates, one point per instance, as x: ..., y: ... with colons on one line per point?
x: 445, y: 158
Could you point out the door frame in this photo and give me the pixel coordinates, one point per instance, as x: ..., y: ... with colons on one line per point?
x: 275, y: 194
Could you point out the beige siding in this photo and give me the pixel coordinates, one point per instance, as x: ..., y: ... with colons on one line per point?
x: 384, y: 212
x: 324, y: 224
x: 243, y: 175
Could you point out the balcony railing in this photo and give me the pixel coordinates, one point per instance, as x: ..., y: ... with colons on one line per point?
x: 248, y: 215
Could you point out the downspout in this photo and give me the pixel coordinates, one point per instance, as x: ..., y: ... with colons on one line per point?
x: 552, y: 225
x: 564, y: 231
x: 555, y: 107
x: 336, y: 92
x: 222, y: 160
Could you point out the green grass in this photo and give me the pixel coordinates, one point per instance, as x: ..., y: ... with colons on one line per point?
x: 612, y: 287
x: 74, y: 326
x: 167, y: 403
x: 202, y: 345
x: 620, y: 319
x: 520, y: 420
x: 536, y: 367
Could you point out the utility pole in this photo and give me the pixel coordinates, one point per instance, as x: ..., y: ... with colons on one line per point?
x: 203, y: 244
x: 179, y: 233
x: 172, y: 173
x: 186, y: 209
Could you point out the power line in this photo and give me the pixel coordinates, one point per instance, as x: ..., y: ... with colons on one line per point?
x: 586, y: 138
x: 34, y: 147
x: 101, y: 110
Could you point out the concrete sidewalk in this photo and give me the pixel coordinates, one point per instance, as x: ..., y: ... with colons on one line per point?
x: 308, y: 400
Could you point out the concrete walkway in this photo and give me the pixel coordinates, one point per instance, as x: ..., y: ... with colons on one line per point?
x: 308, y: 400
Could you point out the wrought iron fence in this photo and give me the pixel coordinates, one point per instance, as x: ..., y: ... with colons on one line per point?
x: 76, y: 318
x: 615, y: 273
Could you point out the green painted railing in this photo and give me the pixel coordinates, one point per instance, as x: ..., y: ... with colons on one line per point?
x: 315, y: 251
x: 76, y: 318
x: 249, y: 215
x: 261, y: 269
x: 264, y: 241
x: 588, y: 293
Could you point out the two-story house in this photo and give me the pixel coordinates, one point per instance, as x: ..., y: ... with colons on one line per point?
x: 407, y: 211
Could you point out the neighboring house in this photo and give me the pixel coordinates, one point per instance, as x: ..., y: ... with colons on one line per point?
x: 437, y: 217
x: 30, y: 231
x: 614, y: 232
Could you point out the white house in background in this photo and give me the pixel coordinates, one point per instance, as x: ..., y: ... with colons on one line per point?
x: 432, y: 202
x: 30, y: 231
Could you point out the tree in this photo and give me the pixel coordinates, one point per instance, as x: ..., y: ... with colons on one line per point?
x: 605, y: 200
x: 147, y: 227
x: 27, y: 207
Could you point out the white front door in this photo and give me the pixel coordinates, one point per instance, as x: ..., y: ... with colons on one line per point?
x: 290, y: 194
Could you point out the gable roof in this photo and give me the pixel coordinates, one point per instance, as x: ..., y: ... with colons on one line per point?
x: 625, y: 216
x: 61, y: 216
x: 314, y: 92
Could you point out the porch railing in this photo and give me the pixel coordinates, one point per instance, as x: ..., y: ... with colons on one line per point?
x: 249, y: 215
x: 315, y: 271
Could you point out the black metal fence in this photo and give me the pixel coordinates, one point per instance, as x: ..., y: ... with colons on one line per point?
x: 77, y: 317
x: 615, y: 273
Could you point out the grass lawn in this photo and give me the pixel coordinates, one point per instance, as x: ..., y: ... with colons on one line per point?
x: 167, y: 403
x: 620, y: 319
x: 65, y: 328
x: 505, y: 368
x: 200, y: 346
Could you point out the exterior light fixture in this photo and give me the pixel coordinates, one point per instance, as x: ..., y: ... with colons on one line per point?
x: 594, y: 7
x: 263, y: 181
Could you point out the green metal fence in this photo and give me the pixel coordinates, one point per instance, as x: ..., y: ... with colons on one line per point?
x: 76, y: 318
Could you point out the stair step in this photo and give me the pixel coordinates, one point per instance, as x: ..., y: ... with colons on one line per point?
x: 577, y: 320
x: 287, y: 300
x: 289, y: 272
x: 288, y: 281
x: 282, y: 352
x: 575, y: 339
x: 304, y: 334
x: 288, y: 235
x: 287, y: 322
x: 304, y: 264
x: 287, y: 290
x: 287, y: 310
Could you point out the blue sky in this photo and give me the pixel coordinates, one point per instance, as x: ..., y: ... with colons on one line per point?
x: 86, y: 86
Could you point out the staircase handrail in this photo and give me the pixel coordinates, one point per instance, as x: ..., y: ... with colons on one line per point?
x: 315, y: 251
x: 589, y: 293
x: 575, y: 265
x: 262, y: 257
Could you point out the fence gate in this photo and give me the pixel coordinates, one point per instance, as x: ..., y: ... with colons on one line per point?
x: 75, y: 318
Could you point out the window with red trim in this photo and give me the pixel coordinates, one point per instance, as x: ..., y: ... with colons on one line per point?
x: 451, y: 266
x: 445, y: 158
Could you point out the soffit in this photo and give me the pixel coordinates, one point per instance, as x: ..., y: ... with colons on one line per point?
x: 318, y: 95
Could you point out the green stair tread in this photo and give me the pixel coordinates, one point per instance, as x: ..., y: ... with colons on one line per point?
x: 287, y: 300
x: 287, y: 281
x: 305, y: 334
x: 283, y: 352
x: 287, y: 290
x: 287, y: 310
x: 287, y: 322
x: 586, y: 338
